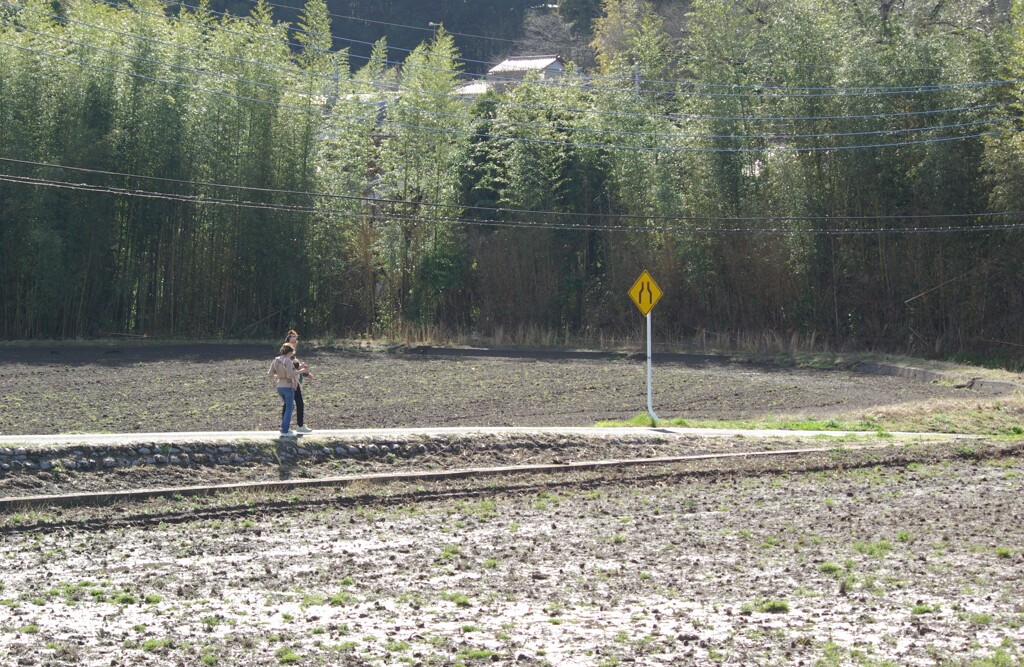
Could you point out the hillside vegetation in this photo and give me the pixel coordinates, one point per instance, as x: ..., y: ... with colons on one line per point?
x: 845, y: 172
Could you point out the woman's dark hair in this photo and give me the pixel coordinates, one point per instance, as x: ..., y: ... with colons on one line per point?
x: 287, y: 349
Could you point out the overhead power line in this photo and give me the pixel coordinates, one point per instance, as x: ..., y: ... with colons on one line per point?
x: 332, y: 81
x: 397, y: 25
x: 492, y: 63
x: 437, y: 206
x: 490, y: 136
x: 759, y: 89
x: 775, y: 136
x: 533, y: 225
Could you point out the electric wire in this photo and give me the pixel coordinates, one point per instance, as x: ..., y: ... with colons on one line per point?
x: 378, y: 201
x: 551, y: 142
x: 837, y: 92
x: 403, y: 217
x: 333, y: 81
x: 394, y: 25
x: 492, y: 209
x: 916, y: 88
x: 776, y: 136
x: 500, y: 39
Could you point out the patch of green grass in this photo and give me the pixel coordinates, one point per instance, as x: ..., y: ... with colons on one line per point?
x: 618, y: 538
x: 29, y: 629
x: 489, y: 564
x: 766, y: 607
x: 341, y: 599
x: 153, y: 598
x: 977, y: 619
x: 1004, y: 552
x: 286, y: 656
x: 830, y: 568
x: 878, y: 549
x: 312, y: 600
x: 157, y: 645
x: 476, y: 654
x: 924, y: 608
x: 644, y: 420
x: 450, y: 551
x: 903, y: 536
x: 484, y: 510
x: 460, y: 599
x: 1007, y: 654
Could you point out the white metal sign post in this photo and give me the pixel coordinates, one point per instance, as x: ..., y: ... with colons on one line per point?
x: 645, y: 293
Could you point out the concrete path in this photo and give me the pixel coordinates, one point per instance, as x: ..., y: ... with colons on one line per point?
x: 351, y: 434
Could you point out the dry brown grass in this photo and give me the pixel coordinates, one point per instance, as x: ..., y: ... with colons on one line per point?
x: 785, y: 348
x: 1003, y: 415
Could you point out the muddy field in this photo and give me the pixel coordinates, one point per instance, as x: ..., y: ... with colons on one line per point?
x: 909, y: 555
x: 874, y: 552
x: 152, y: 388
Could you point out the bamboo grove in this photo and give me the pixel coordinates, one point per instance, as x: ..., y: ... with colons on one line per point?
x: 847, y: 170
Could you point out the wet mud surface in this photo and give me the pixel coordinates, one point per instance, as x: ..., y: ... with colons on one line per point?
x: 908, y: 555
x: 208, y: 387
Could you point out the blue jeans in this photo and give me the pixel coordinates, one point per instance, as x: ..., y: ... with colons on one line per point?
x: 288, y: 396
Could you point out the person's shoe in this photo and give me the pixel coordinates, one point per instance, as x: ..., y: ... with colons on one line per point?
x: 303, y: 429
x: 288, y: 434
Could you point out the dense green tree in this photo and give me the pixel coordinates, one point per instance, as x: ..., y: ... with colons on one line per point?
x: 425, y: 144
x: 801, y: 166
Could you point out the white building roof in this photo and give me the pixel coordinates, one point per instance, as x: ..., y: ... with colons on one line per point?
x: 526, y: 64
x: 475, y: 88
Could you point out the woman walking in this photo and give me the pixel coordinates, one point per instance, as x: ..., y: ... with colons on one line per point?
x: 286, y: 375
x: 292, y: 338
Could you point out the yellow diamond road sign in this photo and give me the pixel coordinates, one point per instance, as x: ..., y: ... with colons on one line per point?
x: 645, y: 292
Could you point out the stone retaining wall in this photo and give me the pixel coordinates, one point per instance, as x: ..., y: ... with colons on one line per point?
x: 92, y: 458
x: 106, y: 457
x: 922, y: 375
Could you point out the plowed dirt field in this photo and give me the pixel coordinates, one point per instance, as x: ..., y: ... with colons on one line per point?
x: 873, y: 552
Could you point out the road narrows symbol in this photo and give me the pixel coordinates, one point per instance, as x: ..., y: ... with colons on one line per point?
x: 645, y: 292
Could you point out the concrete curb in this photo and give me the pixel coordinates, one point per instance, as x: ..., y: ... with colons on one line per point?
x: 922, y: 375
